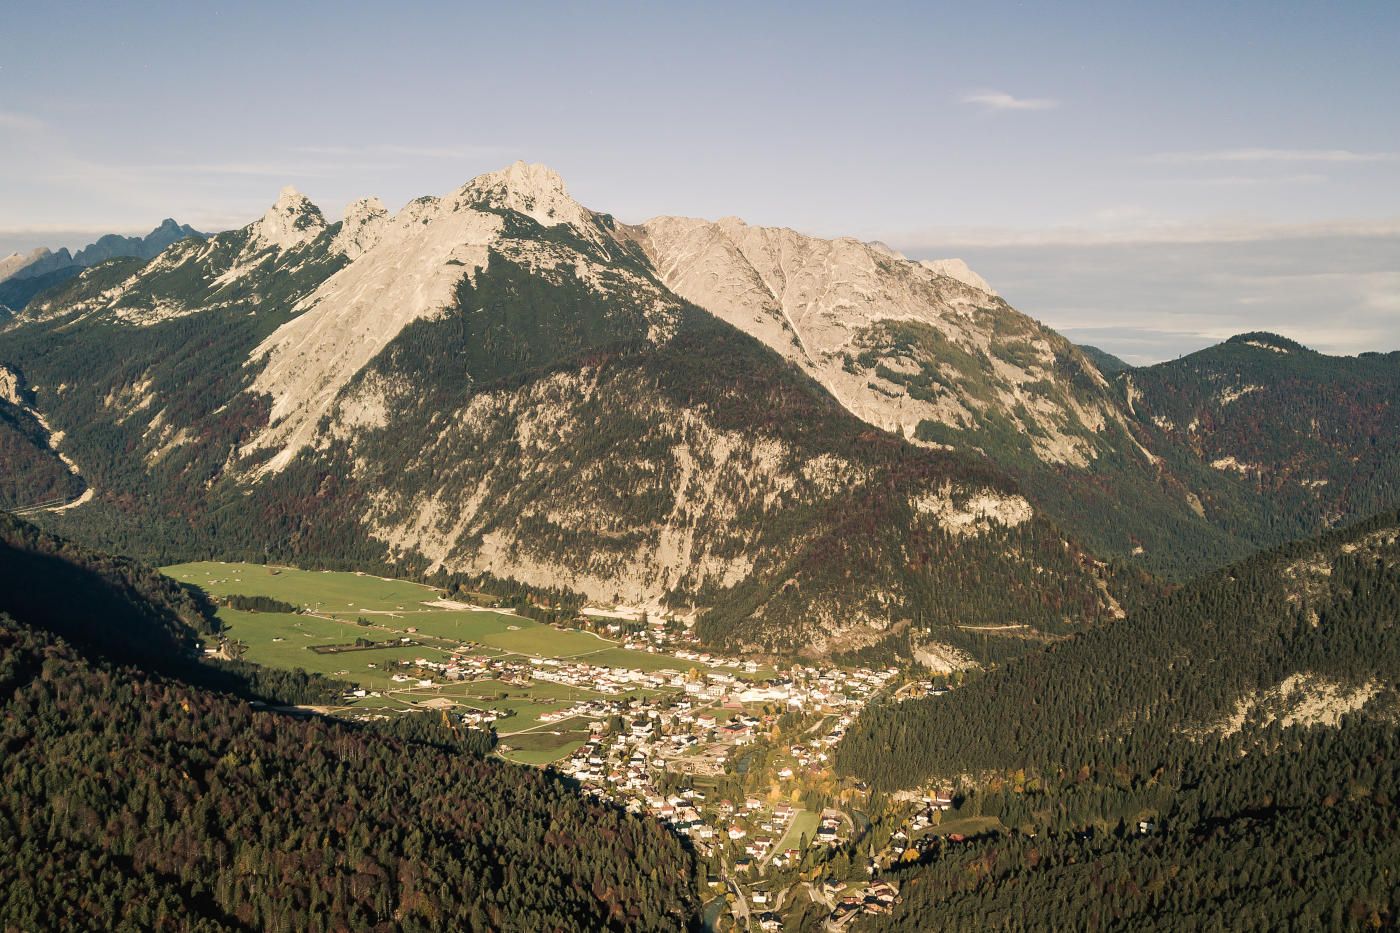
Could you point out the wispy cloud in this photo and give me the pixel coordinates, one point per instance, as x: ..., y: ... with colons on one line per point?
x: 1124, y: 226
x: 1000, y: 100
x: 21, y: 122
x: 1246, y: 181
x: 1273, y: 155
x: 468, y: 151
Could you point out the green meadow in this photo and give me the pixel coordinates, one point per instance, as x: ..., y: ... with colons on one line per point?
x: 395, y: 609
x: 317, y: 590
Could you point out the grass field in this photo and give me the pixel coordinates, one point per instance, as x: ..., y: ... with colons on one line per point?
x: 458, y: 625
x: 967, y: 826
x: 275, y: 639
x: 804, y: 822
x: 544, y: 641
x: 322, y: 591
x: 547, y: 743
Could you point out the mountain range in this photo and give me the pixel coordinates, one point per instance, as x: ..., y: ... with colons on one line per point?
x: 803, y: 444
x: 1116, y: 646
x: 24, y: 275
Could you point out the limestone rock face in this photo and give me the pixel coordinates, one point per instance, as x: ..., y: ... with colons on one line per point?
x: 925, y: 349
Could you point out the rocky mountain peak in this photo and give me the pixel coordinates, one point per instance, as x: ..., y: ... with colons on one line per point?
x: 958, y: 270
x: 14, y: 262
x: 290, y: 222
x: 33, y: 263
x: 532, y: 189
x: 364, y: 223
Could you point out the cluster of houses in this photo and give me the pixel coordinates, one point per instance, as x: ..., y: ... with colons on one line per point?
x: 626, y: 766
x: 878, y: 897
x: 669, y: 734
x: 649, y: 727
x: 913, y: 834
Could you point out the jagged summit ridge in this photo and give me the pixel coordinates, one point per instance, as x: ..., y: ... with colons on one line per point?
x: 534, y: 190
x: 897, y: 342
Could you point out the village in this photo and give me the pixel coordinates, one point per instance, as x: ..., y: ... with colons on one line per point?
x: 734, y: 754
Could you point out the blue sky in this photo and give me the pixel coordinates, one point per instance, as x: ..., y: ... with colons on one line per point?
x: 1150, y: 176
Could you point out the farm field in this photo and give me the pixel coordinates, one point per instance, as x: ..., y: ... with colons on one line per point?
x: 276, y: 639
x: 317, y: 590
x: 546, y: 744
x: 338, y: 608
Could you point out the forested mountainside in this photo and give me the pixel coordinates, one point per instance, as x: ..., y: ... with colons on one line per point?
x: 1249, y: 721
x: 1311, y: 435
x: 495, y: 383
x: 130, y: 802
x: 34, y: 472
x: 1292, y: 833
x: 1306, y: 631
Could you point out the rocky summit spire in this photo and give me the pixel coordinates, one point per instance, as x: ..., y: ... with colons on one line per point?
x: 364, y: 222
x: 290, y: 222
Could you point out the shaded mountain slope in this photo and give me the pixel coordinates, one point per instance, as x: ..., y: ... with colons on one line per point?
x: 130, y: 801
x: 1311, y: 435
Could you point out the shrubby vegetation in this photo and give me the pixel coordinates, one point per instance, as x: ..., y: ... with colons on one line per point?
x: 256, y: 603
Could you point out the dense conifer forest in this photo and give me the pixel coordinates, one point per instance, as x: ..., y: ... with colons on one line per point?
x: 1165, y: 772
x: 33, y: 472
x: 1296, y: 832
x: 138, y: 800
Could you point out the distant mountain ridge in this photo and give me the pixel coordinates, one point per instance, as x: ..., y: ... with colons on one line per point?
x: 24, y: 275
x: 1314, y: 435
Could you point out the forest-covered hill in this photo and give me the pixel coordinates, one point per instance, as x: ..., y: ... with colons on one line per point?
x: 1248, y: 721
x: 135, y: 800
